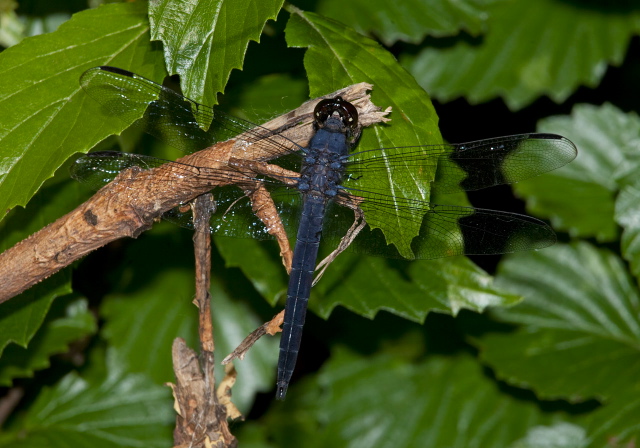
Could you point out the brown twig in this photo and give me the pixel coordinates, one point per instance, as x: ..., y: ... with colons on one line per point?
x: 202, y: 209
x: 202, y: 411
x: 9, y: 402
x: 129, y: 205
x: 200, y: 423
x: 271, y: 328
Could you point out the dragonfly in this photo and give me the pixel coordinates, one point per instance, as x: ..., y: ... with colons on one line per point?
x: 326, y: 178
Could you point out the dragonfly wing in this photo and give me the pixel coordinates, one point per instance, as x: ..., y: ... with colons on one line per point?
x: 97, y: 169
x: 506, y: 160
x: 467, y: 166
x: 234, y: 214
x: 446, y: 230
x: 173, y: 118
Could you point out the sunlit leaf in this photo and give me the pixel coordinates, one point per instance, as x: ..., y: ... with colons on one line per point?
x: 46, y: 117
x: 11, y: 27
x: 628, y: 216
x: 367, y: 285
x: 627, y: 212
x: 337, y: 56
x: 204, y: 40
x: 560, y: 435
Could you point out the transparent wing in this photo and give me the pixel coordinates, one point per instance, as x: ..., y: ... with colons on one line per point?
x: 467, y: 166
x: 97, y: 169
x: 447, y: 230
x: 233, y: 216
x: 172, y: 117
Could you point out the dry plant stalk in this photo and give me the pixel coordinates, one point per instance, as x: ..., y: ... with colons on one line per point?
x: 271, y: 328
x: 202, y: 411
x: 200, y: 422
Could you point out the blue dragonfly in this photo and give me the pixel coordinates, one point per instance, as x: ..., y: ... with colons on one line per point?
x: 324, y: 178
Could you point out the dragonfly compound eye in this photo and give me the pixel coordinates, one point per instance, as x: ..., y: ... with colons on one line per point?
x: 326, y: 108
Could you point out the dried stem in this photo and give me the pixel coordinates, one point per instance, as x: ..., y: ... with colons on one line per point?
x: 271, y: 328
x: 202, y: 411
x: 202, y: 208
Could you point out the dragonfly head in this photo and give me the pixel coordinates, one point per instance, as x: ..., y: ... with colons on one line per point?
x: 344, y: 111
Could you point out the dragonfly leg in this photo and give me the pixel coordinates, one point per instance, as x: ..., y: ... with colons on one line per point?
x: 359, y: 223
x: 263, y: 206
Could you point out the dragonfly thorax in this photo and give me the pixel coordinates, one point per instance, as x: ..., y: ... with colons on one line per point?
x: 323, y: 166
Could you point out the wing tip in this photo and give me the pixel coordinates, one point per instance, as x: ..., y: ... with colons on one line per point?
x: 116, y: 70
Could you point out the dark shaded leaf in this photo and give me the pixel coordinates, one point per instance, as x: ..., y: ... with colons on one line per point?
x: 142, y: 324
x: 603, y: 135
x: 579, y: 324
x: 53, y: 338
x: 121, y: 410
x: 409, y: 21
x: 22, y: 316
x: 530, y: 49
x: 385, y: 401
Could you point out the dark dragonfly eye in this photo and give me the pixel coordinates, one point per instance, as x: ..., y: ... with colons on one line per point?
x: 347, y: 111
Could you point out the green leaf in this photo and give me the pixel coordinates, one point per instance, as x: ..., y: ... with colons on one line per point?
x: 530, y: 49
x: 266, y: 97
x: 560, y: 435
x: 205, y: 39
x: 383, y: 400
x: 22, y: 316
x: 603, y: 134
x: 46, y: 115
x: 367, y: 285
x: 122, y: 410
x: 616, y: 424
x: 266, y: 273
x: 52, y: 338
x: 143, y: 319
x: 338, y: 56
x: 627, y: 212
x: 409, y: 21
x: 58, y: 196
x: 579, y: 326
